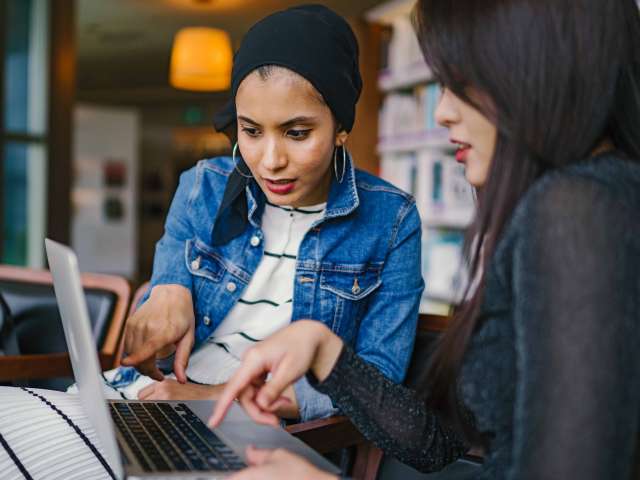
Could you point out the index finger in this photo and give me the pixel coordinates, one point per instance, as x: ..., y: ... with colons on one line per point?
x: 243, y: 377
x: 145, y: 352
x: 150, y: 369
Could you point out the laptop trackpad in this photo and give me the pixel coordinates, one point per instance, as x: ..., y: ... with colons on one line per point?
x: 239, y: 431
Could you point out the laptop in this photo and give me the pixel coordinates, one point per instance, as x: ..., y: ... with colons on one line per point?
x: 154, y: 439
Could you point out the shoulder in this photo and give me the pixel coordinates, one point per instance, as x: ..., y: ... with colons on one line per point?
x: 210, y: 172
x: 604, y: 189
x: 377, y: 187
x: 220, y: 166
x: 202, y: 187
x: 376, y: 194
x: 592, y: 206
x: 575, y: 218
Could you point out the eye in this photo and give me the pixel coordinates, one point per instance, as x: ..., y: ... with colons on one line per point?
x: 299, y: 134
x: 252, y: 132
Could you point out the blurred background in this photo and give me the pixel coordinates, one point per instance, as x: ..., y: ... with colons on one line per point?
x: 104, y: 103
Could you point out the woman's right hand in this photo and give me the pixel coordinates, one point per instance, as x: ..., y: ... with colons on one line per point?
x: 163, y: 324
x: 287, y: 355
x: 277, y: 465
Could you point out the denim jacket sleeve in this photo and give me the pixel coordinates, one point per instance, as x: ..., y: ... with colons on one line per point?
x: 169, y: 265
x: 312, y: 404
x: 387, y: 331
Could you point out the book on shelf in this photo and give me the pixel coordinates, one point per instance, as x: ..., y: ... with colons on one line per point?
x: 402, y: 63
x: 442, y: 264
x: 404, y: 52
x: 409, y: 113
x: 401, y: 169
x: 416, y: 156
x: 385, y: 41
x: 446, y: 205
x: 443, y: 195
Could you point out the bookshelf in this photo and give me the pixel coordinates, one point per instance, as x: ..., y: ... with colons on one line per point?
x: 416, y: 155
x: 415, y: 74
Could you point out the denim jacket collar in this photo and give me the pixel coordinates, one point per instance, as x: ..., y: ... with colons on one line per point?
x: 236, y: 210
x: 343, y: 196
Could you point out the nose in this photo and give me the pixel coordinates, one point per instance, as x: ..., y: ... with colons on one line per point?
x: 446, y: 113
x: 274, y: 157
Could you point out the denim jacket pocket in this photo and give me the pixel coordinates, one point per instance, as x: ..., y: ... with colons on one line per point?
x: 202, y: 262
x: 345, y: 289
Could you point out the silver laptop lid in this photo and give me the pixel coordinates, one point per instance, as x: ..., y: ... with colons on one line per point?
x: 84, y: 357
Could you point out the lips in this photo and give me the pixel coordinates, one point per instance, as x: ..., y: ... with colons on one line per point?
x: 282, y: 186
x: 461, y: 151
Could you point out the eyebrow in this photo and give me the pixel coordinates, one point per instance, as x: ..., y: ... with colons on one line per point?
x: 302, y: 119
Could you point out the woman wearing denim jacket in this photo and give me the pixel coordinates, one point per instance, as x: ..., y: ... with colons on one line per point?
x: 356, y: 239
x: 358, y: 266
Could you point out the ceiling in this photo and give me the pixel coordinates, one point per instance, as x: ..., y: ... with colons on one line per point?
x: 124, y: 45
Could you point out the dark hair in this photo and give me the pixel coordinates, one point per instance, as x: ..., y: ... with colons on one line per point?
x: 559, y: 76
x: 267, y: 71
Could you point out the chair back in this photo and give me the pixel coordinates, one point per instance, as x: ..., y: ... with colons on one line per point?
x: 372, y: 462
x: 8, y: 343
x: 430, y: 327
x: 36, y: 328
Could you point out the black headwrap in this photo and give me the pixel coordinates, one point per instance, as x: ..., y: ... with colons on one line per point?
x: 312, y: 41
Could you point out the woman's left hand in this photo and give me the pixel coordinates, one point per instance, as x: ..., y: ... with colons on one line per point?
x: 170, y: 389
x: 279, y: 464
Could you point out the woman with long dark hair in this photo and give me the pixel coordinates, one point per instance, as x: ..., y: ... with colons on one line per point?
x: 540, y: 363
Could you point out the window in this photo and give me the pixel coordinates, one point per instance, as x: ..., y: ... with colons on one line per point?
x: 24, y: 77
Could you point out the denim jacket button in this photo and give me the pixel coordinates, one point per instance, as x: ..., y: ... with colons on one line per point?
x: 255, y: 241
x: 206, y: 321
x: 195, y: 264
x: 231, y: 287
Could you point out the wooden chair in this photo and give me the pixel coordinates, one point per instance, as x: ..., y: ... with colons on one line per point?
x: 30, y: 297
x: 338, y: 432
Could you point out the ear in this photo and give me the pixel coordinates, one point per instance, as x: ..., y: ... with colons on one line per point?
x: 341, y: 138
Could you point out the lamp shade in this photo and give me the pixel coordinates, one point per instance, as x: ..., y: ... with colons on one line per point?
x: 201, y: 59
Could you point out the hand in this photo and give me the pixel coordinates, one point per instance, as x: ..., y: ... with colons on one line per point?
x: 279, y: 464
x: 169, y: 389
x: 163, y: 324
x: 287, y: 355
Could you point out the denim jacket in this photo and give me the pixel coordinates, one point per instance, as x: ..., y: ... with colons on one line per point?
x: 358, y: 269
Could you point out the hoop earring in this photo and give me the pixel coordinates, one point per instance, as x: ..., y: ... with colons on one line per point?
x: 344, y: 163
x: 235, y: 164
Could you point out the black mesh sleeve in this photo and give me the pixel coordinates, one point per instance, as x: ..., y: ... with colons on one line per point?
x: 392, y: 416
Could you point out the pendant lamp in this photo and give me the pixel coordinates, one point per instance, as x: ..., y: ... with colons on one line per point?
x: 201, y: 60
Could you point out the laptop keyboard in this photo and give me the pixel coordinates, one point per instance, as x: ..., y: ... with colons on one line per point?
x: 167, y: 438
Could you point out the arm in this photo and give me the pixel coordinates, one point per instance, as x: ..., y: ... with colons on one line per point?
x: 387, y: 330
x: 575, y: 280
x: 389, y: 414
x: 392, y: 416
x: 165, y: 320
x: 309, y: 404
x: 169, y: 265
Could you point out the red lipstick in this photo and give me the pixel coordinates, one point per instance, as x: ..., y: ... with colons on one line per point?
x: 462, y: 151
x: 461, y: 154
x: 280, y: 187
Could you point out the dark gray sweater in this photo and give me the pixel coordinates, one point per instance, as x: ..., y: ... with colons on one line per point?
x: 553, y: 373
